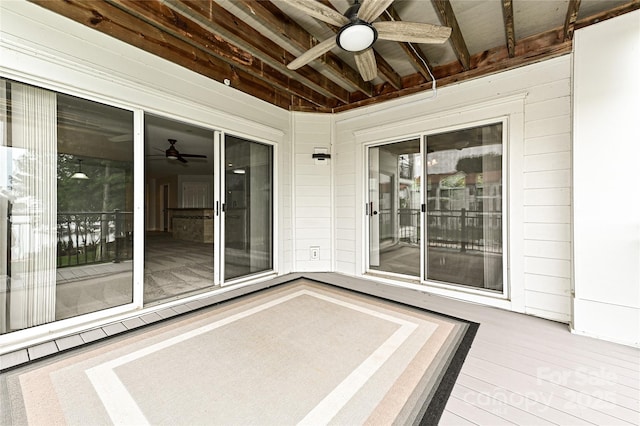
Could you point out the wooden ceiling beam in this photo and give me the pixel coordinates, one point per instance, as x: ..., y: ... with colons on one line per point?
x: 221, y: 23
x: 167, y: 20
x: 279, y: 23
x: 611, y: 13
x: 530, y: 50
x: 416, y: 56
x: 570, y: 19
x: 385, y: 70
x: 509, y: 29
x: 187, y: 42
x: 448, y: 18
x: 116, y: 23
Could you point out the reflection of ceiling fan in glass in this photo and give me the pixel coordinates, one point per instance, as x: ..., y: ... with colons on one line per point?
x: 172, y: 153
x: 358, y: 32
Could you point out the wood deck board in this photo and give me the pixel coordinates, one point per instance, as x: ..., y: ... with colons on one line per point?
x: 603, y: 399
x: 510, y: 406
x: 450, y: 419
x: 586, y: 378
x: 526, y: 370
x: 463, y: 408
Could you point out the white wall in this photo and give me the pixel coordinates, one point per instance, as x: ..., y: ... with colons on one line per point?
x: 537, y: 100
x: 606, y: 173
x: 312, y: 182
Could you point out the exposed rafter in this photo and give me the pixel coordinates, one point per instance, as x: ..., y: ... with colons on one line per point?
x: 112, y: 21
x: 165, y: 19
x: 633, y: 5
x: 277, y: 22
x: 532, y: 49
x: 415, y: 55
x: 570, y: 19
x: 509, y: 29
x: 209, y: 39
x: 221, y: 23
x: 448, y: 18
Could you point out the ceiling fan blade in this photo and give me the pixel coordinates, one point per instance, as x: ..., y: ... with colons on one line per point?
x: 319, y: 11
x: 371, y: 9
x: 313, y: 53
x: 193, y: 155
x: 366, y: 63
x: 412, y: 32
x: 182, y: 160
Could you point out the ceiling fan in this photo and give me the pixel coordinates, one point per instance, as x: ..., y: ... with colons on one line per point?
x: 172, y: 153
x: 358, y: 32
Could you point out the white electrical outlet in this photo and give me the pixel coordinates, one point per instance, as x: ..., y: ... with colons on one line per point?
x: 314, y: 253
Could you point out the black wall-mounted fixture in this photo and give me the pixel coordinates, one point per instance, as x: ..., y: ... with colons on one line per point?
x: 321, y: 156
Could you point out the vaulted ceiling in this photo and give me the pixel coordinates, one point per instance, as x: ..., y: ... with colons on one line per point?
x: 248, y: 44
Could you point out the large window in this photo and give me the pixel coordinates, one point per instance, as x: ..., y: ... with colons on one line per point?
x: 464, y: 223
x: 66, y: 202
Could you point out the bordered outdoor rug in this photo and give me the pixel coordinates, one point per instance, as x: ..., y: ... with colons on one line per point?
x: 302, y: 352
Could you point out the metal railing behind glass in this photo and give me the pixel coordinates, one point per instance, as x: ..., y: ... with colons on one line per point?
x: 465, y: 230
x: 94, y: 237
x: 462, y: 230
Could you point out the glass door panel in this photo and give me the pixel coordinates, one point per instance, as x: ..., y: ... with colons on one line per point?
x: 248, y: 207
x: 179, y: 237
x: 394, y: 207
x: 66, y: 206
x: 464, y: 207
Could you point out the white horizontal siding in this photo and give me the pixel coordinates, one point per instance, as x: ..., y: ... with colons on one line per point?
x: 547, y: 161
x: 551, y: 143
x: 313, y: 206
x: 546, y: 266
x: 547, y: 232
x: 550, y: 249
x: 547, y: 179
x: 547, y: 197
x: 547, y: 211
x: 547, y: 214
x: 548, y: 284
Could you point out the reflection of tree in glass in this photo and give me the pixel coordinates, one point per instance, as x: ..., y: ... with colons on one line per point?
x: 479, y: 164
x: 86, y: 207
x: 104, y: 190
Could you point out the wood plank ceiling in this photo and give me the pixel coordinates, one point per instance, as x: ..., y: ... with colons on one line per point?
x: 249, y: 43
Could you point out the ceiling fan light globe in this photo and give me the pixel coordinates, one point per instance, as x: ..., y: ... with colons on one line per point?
x: 357, y: 36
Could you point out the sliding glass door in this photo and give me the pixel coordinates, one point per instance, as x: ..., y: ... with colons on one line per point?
x: 435, y: 209
x: 464, y: 223
x: 394, y: 207
x: 66, y: 206
x: 179, y: 184
x: 209, y: 211
x: 248, y: 207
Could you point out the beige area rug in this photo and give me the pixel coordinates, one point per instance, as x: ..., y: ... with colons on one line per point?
x: 297, y: 353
